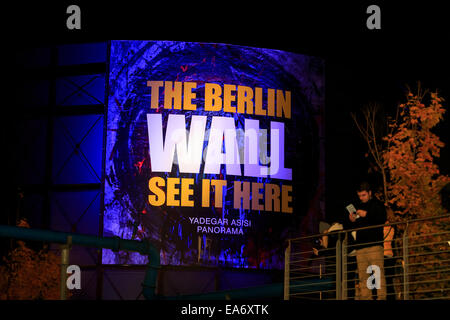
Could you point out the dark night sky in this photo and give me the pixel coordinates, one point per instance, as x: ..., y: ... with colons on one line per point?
x: 361, y: 65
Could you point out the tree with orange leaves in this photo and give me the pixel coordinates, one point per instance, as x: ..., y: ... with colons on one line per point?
x: 403, y: 153
x: 415, y: 180
x: 414, y: 189
x: 28, y: 274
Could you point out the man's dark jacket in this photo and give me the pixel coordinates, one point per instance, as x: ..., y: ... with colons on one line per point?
x: 376, y: 215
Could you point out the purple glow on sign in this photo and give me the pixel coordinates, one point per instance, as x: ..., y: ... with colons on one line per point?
x: 292, y: 152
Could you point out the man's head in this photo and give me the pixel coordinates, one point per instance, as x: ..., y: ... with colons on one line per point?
x: 364, y: 192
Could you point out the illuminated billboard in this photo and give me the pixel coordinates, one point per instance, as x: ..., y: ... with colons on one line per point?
x: 213, y: 151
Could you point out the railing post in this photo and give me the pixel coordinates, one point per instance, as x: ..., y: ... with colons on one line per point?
x: 65, y: 251
x: 405, y: 264
x: 339, y: 268
x: 320, y: 277
x: 287, y: 257
x: 344, y: 268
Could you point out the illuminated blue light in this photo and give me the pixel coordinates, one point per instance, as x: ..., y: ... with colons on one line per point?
x: 128, y: 167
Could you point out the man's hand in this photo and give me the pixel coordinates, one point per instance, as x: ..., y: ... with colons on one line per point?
x: 352, y: 217
x: 361, y: 213
x: 316, y: 252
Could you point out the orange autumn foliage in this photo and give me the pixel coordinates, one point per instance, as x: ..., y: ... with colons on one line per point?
x: 30, y: 275
x: 414, y: 192
x: 415, y: 180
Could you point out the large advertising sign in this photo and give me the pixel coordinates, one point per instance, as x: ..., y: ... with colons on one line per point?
x: 212, y: 150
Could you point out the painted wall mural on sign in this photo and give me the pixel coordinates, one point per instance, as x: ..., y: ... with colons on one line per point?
x: 214, y: 152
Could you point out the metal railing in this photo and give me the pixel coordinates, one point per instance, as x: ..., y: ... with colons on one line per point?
x: 415, y: 263
x: 115, y: 243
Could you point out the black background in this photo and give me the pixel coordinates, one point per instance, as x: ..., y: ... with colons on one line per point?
x: 361, y: 66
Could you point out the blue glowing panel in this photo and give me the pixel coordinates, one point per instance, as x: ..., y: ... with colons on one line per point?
x: 77, y: 144
x: 213, y: 151
x: 82, y: 53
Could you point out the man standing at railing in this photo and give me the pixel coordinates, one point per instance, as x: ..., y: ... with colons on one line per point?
x: 369, y: 249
